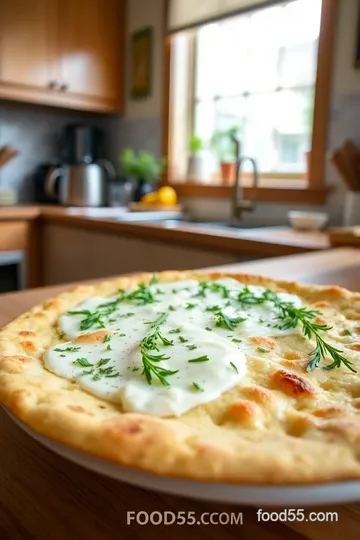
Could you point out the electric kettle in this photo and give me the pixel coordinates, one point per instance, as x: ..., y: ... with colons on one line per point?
x: 82, y: 184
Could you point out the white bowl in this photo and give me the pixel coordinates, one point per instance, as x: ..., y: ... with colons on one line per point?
x: 307, y: 221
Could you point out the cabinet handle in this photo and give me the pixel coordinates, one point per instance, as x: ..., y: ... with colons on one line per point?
x: 54, y: 85
x: 64, y: 87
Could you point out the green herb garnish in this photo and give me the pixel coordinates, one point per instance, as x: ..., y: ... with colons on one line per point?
x: 171, y: 308
x: 225, y: 321
x: 234, y: 367
x: 175, y: 331
x: 197, y: 387
x: 108, y: 348
x: 103, y: 362
x: 150, y: 359
x: 68, y: 349
x: 291, y: 317
x: 203, y: 358
x: 107, y: 338
x: 347, y: 332
x: 262, y: 350
x: 82, y: 362
x: 236, y: 340
x: 155, y: 279
x: 182, y: 339
x: 191, y: 347
x: 189, y: 305
x: 62, y: 335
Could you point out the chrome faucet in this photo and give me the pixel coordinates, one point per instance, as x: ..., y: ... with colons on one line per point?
x: 239, y: 204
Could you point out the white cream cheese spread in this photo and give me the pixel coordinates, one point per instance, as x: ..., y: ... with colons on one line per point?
x: 167, y: 347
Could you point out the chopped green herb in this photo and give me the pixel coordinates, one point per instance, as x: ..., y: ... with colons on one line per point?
x: 171, y: 308
x: 189, y: 305
x: 197, y: 387
x: 97, y: 377
x: 135, y: 369
x: 225, y: 321
x: 107, y: 338
x: 113, y: 374
x: 108, y: 348
x: 89, y: 372
x: 191, y: 347
x: 182, y: 339
x: 103, y: 362
x: 213, y: 308
x: 62, y: 335
x: 122, y: 335
x: 208, y: 329
x: 262, y: 350
x: 63, y: 355
x: 347, y: 332
x: 68, y: 349
x: 175, y: 331
x: 82, y: 362
x: 236, y: 340
x: 203, y: 358
x: 151, y: 360
x: 233, y: 366
x: 155, y: 279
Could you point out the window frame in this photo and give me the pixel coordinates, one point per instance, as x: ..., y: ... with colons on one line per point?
x: 316, y: 190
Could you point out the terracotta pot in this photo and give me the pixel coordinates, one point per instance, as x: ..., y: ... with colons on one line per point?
x: 228, y: 173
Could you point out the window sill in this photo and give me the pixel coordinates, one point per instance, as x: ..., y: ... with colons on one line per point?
x: 287, y: 192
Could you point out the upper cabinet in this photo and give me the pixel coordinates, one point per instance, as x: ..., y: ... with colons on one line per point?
x: 63, y: 52
x: 89, y: 44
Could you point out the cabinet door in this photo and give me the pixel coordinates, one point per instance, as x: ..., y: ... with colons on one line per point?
x: 27, y: 42
x: 90, y: 41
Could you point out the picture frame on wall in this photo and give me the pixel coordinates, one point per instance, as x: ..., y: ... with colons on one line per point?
x: 357, y: 50
x: 141, y: 63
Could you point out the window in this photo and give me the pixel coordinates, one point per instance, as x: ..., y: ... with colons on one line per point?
x: 253, y: 75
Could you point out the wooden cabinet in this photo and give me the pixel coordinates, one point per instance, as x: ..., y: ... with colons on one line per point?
x: 89, y: 47
x: 63, y: 52
x: 27, y: 44
x: 71, y: 254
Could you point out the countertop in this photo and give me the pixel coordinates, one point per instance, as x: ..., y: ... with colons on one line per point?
x: 265, y: 241
x: 43, y: 496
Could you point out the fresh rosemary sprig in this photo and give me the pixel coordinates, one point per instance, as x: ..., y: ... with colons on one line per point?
x: 151, y: 360
x: 291, y: 317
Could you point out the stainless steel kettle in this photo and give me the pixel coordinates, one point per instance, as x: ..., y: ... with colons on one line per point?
x: 82, y: 184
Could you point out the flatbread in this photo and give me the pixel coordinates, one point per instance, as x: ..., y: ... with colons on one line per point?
x: 280, y: 425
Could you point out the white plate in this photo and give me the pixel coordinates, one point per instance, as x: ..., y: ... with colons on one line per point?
x: 287, y: 496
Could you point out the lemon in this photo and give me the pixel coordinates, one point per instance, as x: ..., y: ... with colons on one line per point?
x: 149, y: 198
x: 167, y: 196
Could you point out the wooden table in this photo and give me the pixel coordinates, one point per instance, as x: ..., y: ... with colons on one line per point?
x: 43, y: 496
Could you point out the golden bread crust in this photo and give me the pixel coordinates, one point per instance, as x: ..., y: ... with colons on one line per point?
x: 281, y: 425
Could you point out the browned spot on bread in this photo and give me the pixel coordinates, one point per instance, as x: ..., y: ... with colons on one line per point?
x: 258, y: 394
x: 355, y: 347
x: 321, y: 304
x: 40, y: 315
x: 27, y: 333
x: 22, y: 359
x: 263, y: 342
x: 357, y: 329
x: 28, y: 346
x: 299, y: 424
x: 328, y: 412
x: 321, y: 320
x: 292, y: 355
x: 79, y: 409
x: 243, y: 412
x: 94, y: 337
x: 292, y: 384
x: 53, y: 304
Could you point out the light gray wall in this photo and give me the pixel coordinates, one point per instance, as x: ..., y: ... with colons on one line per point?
x: 34, y: 132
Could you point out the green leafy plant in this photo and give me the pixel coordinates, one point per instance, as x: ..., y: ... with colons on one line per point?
x: 195, y: 145
x: 223, y: 144
x: 141, y: 165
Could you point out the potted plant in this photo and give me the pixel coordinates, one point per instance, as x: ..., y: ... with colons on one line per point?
x: 198, y: 166
x: 143, y: 167
x: 224, y: 145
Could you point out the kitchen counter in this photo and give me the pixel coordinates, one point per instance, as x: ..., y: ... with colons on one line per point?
x: 264, y: 241
x: 45, y: 496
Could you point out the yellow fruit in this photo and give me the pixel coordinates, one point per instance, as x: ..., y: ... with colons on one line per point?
x: 149, y: 198
x: 167, y: 196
